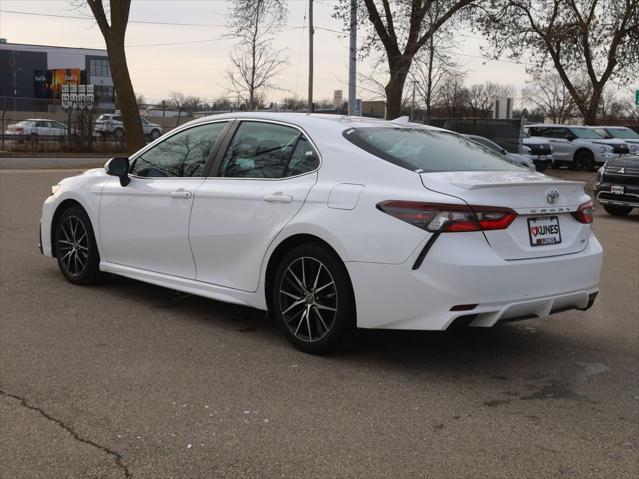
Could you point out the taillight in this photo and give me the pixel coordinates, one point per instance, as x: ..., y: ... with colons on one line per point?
x: 449, y: 218
x: 19, y: 130
x: 584, y: 213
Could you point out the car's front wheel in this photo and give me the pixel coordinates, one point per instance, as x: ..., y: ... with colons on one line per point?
x: 617, y: 210
x: 312, y: 299
x: 584, y: 161
x: 75, y: 247
x: 155, y: 134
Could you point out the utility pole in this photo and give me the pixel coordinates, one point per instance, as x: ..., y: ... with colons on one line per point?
x: 310, y: 56
x: 352, y: 62
x: 412, y: 105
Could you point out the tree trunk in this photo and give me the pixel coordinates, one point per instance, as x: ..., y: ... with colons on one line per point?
x: 134, y: 134
x: 399, y: 68
x: 590, y: 111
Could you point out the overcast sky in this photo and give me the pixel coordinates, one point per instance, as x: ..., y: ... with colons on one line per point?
x: 197, y: 67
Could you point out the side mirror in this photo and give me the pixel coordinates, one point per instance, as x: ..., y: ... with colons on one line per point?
x: 118, y: 167
x: 504, y: 151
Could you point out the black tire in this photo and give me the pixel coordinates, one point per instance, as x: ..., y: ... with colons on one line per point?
x: 75, y: 247
x: 617, y: 210
x: 155, y: 134
x: 584, y: 161
x: 119, y: 133
x: 312, y: 299
x: 541, y: 166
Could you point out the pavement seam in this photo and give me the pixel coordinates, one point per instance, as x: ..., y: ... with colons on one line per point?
x: 118, y: 457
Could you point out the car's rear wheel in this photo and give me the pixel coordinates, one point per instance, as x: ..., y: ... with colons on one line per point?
x: 75, y: 247
x: 584, y: 161
x: 155, y: 134
x: 312, y: 299
x: 119, y: 133
x: 617, y: 210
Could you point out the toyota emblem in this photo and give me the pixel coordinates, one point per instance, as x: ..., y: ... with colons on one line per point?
x: 552, y: 196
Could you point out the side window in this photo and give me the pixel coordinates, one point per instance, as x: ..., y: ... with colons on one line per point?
x: 183, y: 154
x: 304, y: 158
x: 259, y: 150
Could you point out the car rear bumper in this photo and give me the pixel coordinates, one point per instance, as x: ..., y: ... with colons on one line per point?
x: 461, y: 271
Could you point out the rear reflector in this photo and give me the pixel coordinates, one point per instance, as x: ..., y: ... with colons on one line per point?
x: 449, y: 218
x: 584, y: 213
x: 463, y: 307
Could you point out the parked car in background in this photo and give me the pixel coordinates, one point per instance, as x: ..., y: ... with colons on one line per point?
x: 523, y: 160
x: 625, y: 134
x: 617, y: 185
x: 331, y: 222
x: 539, y: 151
x: 577, y: 146
x: 38, y: 127
x: 111, y: 124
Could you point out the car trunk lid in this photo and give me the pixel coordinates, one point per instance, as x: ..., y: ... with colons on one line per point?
x: 532, y: 234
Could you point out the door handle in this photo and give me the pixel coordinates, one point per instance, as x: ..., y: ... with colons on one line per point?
x: 278, y: 197
x: 180, y: 194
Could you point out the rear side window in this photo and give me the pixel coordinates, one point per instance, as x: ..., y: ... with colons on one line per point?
x: 424, y: 150
x: 268, y: 150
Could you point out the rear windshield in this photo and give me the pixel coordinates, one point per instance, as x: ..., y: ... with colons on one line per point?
x: 424, y: 150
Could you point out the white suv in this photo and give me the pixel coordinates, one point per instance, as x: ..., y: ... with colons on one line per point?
x: 111, y: 124
x: 578, y: 146
x: 620, y: 133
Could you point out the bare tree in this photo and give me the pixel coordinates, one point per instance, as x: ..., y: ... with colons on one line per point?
x: 182, y: 103
x: 114, y: 34
x: 451, y: 98
x: 597, y: 40
x: 255, y: 63
x: 434, y: 62
x: 481, y: 98
x: 611, y: 108
x: 402, y: 28
x: 549, y: 95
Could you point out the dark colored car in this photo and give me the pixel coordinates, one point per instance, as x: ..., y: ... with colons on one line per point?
x: 617, y: 187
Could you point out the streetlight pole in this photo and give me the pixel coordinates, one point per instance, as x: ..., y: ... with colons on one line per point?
x: 352, y: 62
x: 310, y: 56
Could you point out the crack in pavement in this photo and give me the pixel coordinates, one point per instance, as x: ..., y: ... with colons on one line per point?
x: 117, y: 456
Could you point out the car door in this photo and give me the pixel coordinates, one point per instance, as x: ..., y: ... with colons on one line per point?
x: 145, y: 223
x: 563, y: 149
x: 57, y: 129
x: 42, y: 128
x: 260, y: 182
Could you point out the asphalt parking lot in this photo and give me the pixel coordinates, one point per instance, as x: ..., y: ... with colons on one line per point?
x: 132, y: 380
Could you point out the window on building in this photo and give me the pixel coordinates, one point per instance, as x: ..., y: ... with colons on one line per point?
x: 103, y: 94
x: 99, y: 67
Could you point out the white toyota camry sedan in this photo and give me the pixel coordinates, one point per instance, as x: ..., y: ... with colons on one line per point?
x: 331, y: 223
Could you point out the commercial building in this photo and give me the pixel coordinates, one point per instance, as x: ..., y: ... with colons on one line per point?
x: 31, y: 76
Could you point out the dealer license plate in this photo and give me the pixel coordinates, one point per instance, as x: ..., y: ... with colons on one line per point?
x: 544, y: 230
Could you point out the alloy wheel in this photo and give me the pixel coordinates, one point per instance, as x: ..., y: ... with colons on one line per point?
x: 73, y: 246
x: 308, y: 299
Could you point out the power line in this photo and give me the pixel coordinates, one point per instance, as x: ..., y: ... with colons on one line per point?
x: 145, y: 22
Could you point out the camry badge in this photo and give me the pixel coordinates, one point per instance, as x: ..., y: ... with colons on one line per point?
x: 552, y: 196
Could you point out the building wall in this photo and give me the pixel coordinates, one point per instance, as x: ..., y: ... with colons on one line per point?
x: 20, y: 61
